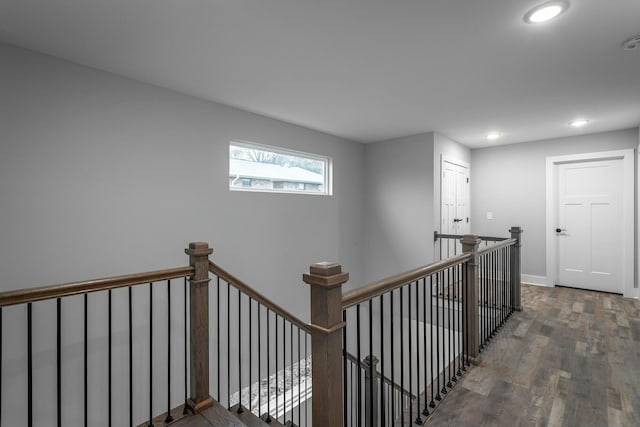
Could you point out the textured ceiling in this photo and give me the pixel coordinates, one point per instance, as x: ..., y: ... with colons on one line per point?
x: 366, y: 70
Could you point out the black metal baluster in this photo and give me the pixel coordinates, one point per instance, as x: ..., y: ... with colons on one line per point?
x: 510, y: 281
x: 284, y: 370
x: 445, y: 326
x: 291, y: 371
x: 239, y: 410
x: 228, y: 346
x: 460, y: 311
x: 185, y: 410
x: 392, y: 348
x: 259, y: 352
x: 218, y: 378
x: 505, y: 282
x: 496, y: 286
x: 432, y: 404
x: 452, y: 313
x: 501, y: 286
x: 300, y: 379
x: 418, y: 419
x: 439, y: 278
x: 425, y: 411
x: 354, y: 396
x: 402, y: 349
x: 1, y: 352
x: 277, y: 387
x: 86, y: 352
x: 483, y: 313
x: 465, y: 319
x: 169, y: 418
x: 371, y: 393
x: 345, y: 396
x: 29, y: 366
x: 494, y: 317
x: 250, y: 327
x: 492, y: 293
x: 306, y: 358
x: 408, y: 287
x: 110, y: 404
x: 130, y: 357
x: 449, y: 326
x: 58, y: 359
x: 267, y: 418
x: 359, y: 356
x: 382, y: 397
x: 485, y: 298
x: 151, y: 354
x: 487, y: 287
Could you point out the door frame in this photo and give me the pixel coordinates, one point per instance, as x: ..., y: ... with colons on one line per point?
x: 446, y: 159
x: 628, y: 199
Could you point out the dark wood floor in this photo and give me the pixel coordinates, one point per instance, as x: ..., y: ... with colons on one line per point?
x: 570, y: 358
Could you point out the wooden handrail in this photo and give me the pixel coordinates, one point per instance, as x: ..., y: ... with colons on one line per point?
x: 383, y: 286
x: 240, y: 285
x: 385, y: 379
x: 437, y: 236
x: 41, y: 293
x: 498, y: 245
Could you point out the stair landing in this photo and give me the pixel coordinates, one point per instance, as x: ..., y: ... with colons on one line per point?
x: 218, y: 416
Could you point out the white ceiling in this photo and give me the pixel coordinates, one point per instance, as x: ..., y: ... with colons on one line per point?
x: 366, y: 70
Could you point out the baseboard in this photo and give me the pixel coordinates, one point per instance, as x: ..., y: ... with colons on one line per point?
x: 536, y: 280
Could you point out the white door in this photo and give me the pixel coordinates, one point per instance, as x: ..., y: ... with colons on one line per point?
x: 454, y: 198
x: 590, y: 225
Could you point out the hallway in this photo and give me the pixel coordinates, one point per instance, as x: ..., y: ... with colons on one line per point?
x: 570, y: 358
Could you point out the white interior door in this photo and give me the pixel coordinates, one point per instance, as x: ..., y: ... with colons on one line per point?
x: 590, y: 225
x: 454, y: 198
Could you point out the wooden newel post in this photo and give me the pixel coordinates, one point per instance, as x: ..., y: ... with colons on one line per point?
x: 326, y: 281
x: 199, y: 398
x: 516, y: 273
x: 470, y: 244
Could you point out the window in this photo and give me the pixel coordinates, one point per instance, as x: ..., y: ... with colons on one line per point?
x: 254, y: 167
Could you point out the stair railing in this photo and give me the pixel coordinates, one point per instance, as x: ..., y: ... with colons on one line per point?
x: 93, y: 350
x: 144, y: 340
x: 378, y: 389
x: 425, y: 327
x: 262, y: 360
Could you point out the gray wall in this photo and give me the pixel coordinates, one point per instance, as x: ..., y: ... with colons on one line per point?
x: 101, y: 175
x: 510, y: 182
x: 398, y: 205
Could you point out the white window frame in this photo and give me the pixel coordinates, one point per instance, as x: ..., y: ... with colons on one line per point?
x: 327, y: 182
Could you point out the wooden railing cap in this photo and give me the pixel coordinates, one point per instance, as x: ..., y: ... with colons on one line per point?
x: 198, y: 249
x: 325, y: 268
x: 470, y: 239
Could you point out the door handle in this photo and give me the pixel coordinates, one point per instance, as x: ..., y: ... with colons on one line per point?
x: 457, y: 219
x: 560, y: 230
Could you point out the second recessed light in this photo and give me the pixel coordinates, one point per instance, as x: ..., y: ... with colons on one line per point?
x: 545, y: 12
x: 579, y: 123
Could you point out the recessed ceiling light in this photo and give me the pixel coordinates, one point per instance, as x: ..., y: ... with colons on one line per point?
x: 579, y: 123
x: 545, y: 12
x: 493, y: 136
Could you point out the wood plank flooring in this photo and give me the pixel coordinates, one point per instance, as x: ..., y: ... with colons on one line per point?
x: 570, y: 358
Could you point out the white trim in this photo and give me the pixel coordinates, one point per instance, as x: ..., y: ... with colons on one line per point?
x: 628, y: 199
x: 445, y: 158
x: 530, y: 279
